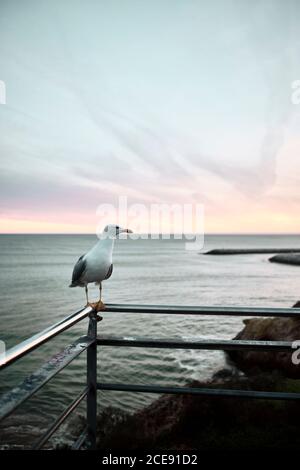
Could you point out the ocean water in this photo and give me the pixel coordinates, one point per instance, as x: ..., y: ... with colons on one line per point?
x: 35, y: 271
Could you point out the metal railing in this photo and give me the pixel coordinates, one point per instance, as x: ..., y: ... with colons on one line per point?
x: 14, y: 398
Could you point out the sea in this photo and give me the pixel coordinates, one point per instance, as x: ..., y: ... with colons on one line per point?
x: 35, y: 272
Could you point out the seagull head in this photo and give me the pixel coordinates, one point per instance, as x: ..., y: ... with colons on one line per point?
x: 112, y: 231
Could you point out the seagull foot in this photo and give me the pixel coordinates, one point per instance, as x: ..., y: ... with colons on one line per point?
x: 90, y: 304
x: 97, y: 306
x: 100, y: 306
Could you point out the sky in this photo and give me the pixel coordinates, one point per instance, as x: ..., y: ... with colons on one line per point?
x: 161, y: 102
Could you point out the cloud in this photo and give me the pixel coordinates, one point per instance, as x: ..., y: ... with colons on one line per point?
x: 195, y: 109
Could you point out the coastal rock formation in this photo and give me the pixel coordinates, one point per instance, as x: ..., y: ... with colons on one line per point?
x: 186, y: 422
x: 250, y: 251
x: 208, y: 423
x: 268, y: 329
x: 292, y: 258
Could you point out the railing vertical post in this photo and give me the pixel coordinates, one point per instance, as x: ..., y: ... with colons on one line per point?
x: 91, y: 409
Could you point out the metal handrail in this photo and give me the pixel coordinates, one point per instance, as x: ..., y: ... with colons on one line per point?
x: 42, y: 337
x: 194, y: 343
x: 205, y: 310
x: 10, y: 400
x: 209, y: 392
x: 60, y: 420
x: 90, y: 342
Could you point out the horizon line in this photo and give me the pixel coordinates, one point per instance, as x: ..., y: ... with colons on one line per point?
x: 160, y: 233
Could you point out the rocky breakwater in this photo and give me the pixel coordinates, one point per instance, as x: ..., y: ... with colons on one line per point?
x: 287, y: 258
x: 268, y: 329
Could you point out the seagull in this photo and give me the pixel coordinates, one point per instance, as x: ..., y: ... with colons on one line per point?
x: 96, y: 265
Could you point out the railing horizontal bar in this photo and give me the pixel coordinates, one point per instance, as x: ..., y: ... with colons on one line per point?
x: 213, y: 392
x: 208, y: 344
x: 204, y: 310
x: 40, y: 338
x: 37, y: 340
x: 10, y: 400
x: 58, y: 422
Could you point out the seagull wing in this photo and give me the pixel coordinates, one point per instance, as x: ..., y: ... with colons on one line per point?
x: 78, y: 271
x: 109, y: 272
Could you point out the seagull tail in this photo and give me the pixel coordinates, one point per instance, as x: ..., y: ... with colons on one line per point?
x: 72, y: 285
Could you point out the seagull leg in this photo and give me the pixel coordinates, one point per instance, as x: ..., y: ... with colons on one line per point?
x: 88, y: 304
x: 100, y: 305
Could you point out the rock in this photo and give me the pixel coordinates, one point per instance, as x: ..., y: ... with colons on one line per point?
x: 250, y: 251
x: 186, y: 422
x: 292, y: 258
x: 268, y: 329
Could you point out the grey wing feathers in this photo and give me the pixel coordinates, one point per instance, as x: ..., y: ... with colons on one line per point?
x: 78, y: 271
x: 109, y: 272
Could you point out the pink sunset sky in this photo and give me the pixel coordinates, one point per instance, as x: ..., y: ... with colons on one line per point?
x: 161, y: 102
